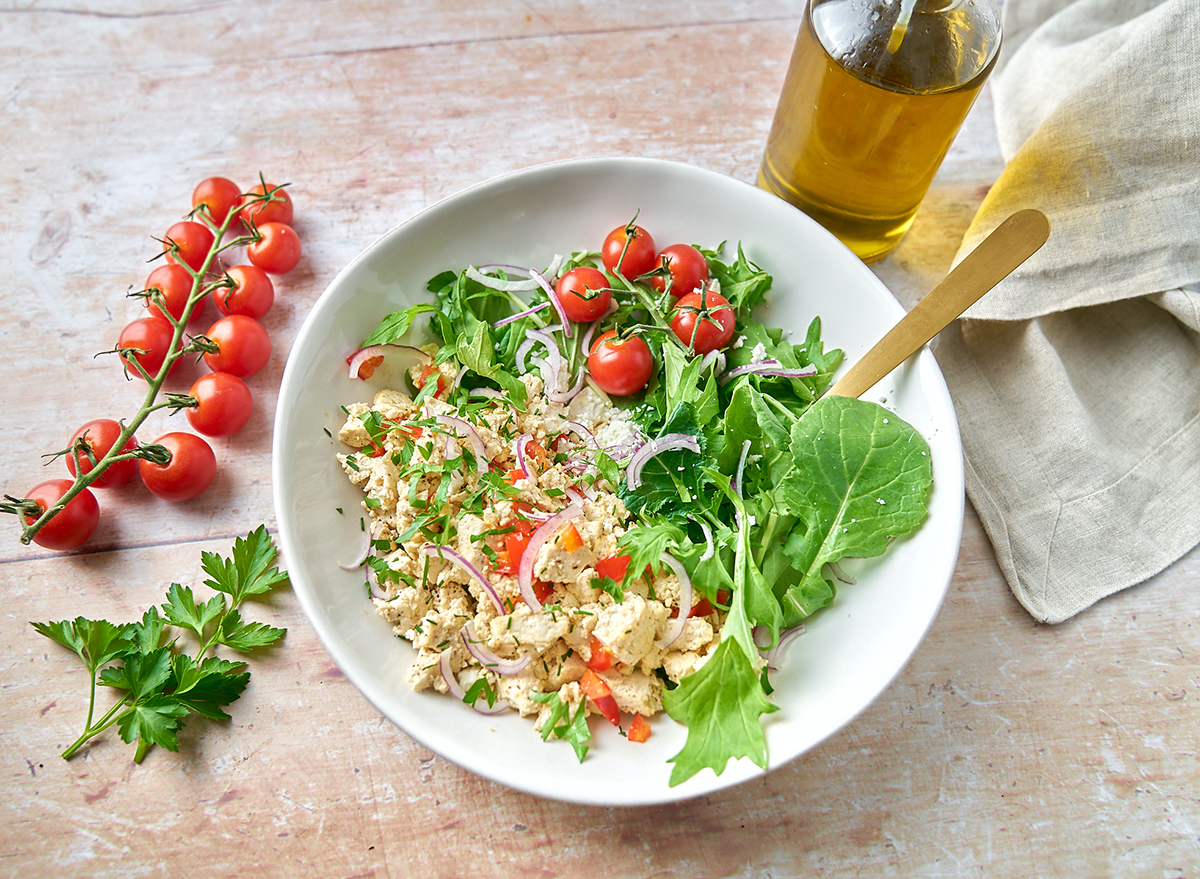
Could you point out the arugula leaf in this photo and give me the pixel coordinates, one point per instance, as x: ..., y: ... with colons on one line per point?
x: 720, y: 703
x: 395, y: 325
x: 861, y: 476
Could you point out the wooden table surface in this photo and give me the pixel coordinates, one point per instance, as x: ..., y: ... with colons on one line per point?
x: 1005, y: 748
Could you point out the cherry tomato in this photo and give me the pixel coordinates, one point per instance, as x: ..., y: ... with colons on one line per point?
x: 278, y: 209
x: 583, y: 294
x: 598, y: 690
x: 275, y: 248
x: 151, y: 337
x: 225, y: 404
x: 715, y: 328
x: 192, y: 242
x: 688, y: 268
x: 189, y: 472
x: 620, y: 367
x: 639, y: 255
x: 252, y: 293
x: 174, y: 284
x: 98, y: 437
x: 73, y: 524
x: 243, y: 346
x: 218, y: 195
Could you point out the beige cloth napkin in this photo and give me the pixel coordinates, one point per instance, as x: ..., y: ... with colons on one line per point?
x: 1077, y: 379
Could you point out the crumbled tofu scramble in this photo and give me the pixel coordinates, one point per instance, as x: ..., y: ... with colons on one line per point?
x: 431, y: 598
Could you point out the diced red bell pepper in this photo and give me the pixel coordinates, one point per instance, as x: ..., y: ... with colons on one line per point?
x: 424, y: 375
x: 613, y: 567
x: 569, y: 538
x: 601, y: 659
x: 598, y: 690
x: 639, y: 729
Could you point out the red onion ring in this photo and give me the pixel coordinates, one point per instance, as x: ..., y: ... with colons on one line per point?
x: 504, y: 285
x: 741, y: 469
x: 361, y: 559
x: 675, y: 629
x: 465, y: 430
x: 446, y: 552
x: 487, y: 658
x: 710, y: 548
x: 670, y: 442
x: 540, y: 535
x: 457, y: 691
x: 387, y: 352
x: 770, y: 367
x: 519, y: 455
x: 553, y: 295
x: 529, y: 312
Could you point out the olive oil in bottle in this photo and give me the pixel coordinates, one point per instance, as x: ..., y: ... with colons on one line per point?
x: 874, y: 95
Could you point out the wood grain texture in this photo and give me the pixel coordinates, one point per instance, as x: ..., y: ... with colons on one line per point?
x: 1005, y: 748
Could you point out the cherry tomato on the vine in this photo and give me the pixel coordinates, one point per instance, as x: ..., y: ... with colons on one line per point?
x: 252, y: 293
x: 278, y: 209
x: 97, y: 437
x: 189, y: 472
x: 583, y: 294
x: 688, y: 268
x: 225, y: 404
x: 706, y: 315
x: 275, y: 248
x: 174, y: 284
x: 620, y: 366
x: 73, y: 524
x: 639, y: 254
x: 188, y: 242
x: 151, y: 338
x: 243, y: 346
x: 218, y: 195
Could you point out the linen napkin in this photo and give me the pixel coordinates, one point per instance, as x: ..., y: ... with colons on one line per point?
x: 1077, y: 379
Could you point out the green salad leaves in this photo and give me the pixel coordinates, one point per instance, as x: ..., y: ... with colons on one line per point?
x: 785, y: 483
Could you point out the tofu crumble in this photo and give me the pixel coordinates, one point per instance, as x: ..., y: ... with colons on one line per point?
x: 435, y: 475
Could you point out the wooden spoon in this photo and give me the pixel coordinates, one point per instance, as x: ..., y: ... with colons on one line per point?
x: 1009, y: 245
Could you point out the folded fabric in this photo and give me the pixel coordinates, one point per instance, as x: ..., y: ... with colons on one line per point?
x: 1077, y: 379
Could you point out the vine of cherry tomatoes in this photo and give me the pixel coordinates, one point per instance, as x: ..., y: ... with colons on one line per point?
x: 700, y: 318
x: 180, y: 465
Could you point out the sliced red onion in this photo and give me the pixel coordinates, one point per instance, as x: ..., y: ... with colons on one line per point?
x: 457, y: 691
x: 670, y: 442
x: 585, y: 343
x: 505, y: 285
x: 465, y: 430
x: 842, y: 576
x: 717, y: 357
x: 487, y: 658
x: 519, y: 455
x: 769, y: 367
x: 675, y: 629
x: 785, y: 637
x: 529, y: 312
x: 446, y: 552
x: 571, y: 393
x: 553, y: 295
x: 397, y: 358
x: 549, y: 373
x: 540, y: 535
x: 589, y: 438
x: 458, y: 377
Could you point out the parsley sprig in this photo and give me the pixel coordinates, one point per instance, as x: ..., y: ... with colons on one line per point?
x: 161, y: 683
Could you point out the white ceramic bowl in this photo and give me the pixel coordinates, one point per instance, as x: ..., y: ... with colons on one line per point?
x: 850, y: 651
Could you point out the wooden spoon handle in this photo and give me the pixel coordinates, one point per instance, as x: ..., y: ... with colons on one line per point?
x: 1009, y: 245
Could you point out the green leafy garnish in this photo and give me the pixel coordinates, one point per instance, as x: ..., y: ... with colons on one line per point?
x: 160, y: 683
